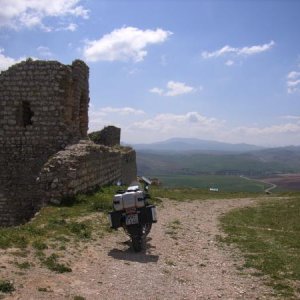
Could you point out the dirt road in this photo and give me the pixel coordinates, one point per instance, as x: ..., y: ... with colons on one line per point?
x: 183, y: 260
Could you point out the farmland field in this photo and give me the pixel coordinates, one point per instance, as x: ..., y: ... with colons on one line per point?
x: 259, y: 164
x: 285, y: 182
x: 223, y: 183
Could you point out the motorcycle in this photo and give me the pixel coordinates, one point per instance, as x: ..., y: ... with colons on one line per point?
x: 133, y: 213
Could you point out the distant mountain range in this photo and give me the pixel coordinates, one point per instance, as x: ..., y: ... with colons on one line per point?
x: 196, y: 157
x: 188, y: 144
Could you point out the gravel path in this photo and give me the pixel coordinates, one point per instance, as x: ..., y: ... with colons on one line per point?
x: 183, y: 260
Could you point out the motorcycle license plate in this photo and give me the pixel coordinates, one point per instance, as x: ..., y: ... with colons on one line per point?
x: 132, y: 219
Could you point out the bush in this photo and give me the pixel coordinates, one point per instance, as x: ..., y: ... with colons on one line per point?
x: 6, y: 286
x: 80, y: 229
x: 52, y: 264
x: 39, y: 245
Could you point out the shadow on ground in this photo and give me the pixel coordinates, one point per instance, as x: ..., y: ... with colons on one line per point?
x: 129, y: 254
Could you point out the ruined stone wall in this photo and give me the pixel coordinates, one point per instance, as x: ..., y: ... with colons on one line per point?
x: 45, y: 153
x: 82, y: 167
x: 108, y: 136
x: 128, y: 166
x: 43, y: 108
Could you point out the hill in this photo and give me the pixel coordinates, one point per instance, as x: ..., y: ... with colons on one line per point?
x: 186, y: 144
x: 252, y: 163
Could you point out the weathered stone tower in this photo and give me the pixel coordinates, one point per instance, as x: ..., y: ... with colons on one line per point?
x: 44, y: 109
x: 108, y: 136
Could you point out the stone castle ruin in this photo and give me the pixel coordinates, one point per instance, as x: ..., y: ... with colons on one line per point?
x: 45, y: 152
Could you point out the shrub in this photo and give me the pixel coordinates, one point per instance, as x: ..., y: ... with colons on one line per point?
x: 52, y: 264
x: 6, y: 286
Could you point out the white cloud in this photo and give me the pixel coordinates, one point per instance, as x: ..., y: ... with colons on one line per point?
x: 255, y: 49
x: 122, y: 110
x: 270, y: 130
x: 70, y: 27
x: 178, y: 88
x: 272, y: 135
x: 133, y: 71
x: 117, y: 116
x: 222, y: 51
x: 174, y: 89
x: 283, y: 134
x: 139, y: 127
x: 44, y: 52
x: 229, y: 63
x: 16, y: 14
x: 157, y: 91
x: 109, y: 111
x: 163, y: 126
x: 6, y: 61
x: 244, y: 51
x: 290, y: 117
x: 293, y: 75
x: 293, y: 82
x: 124, y: 44
x: 293, y: 86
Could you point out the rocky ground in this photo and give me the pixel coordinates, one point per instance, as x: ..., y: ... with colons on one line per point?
x: 183, y: 260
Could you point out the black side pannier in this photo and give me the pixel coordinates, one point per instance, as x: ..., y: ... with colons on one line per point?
x: 148, y: 214
x: 115, y: 219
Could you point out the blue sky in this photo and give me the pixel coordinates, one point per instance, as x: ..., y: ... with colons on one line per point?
x: 217, y: 70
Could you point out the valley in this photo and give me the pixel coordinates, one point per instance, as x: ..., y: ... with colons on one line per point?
x: 200, y: 165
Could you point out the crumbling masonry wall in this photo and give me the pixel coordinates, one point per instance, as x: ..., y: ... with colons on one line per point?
x: 43, y: 111
x: 79, y: 168
x: 84, y: 166
x: 108, y: 136
x: 128, y: 165
x: 111, y: 136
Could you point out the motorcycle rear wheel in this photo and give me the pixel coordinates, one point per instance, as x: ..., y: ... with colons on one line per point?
x: 137, y: 243
x: 147, y: 228
x: 137, y: 234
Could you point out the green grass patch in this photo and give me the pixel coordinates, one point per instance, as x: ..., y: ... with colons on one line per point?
x: 24, y: 265
x: 62, y: 222
x: 170, y: 263
x: 173, y: 228
x: 269, y: 237
x: 78, y: 298
x: 51, y: 262
x: 156, y: 163
x: 44, y: 289
x: 39, y: 245
x: 20, y: 253
x: 182, y: 194
x: 81, y: 230
x: 205, y: 182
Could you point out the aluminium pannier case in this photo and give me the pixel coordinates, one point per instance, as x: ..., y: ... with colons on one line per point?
x: 128, y: 200
x: 114, y: 218
x: 118, y: 202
